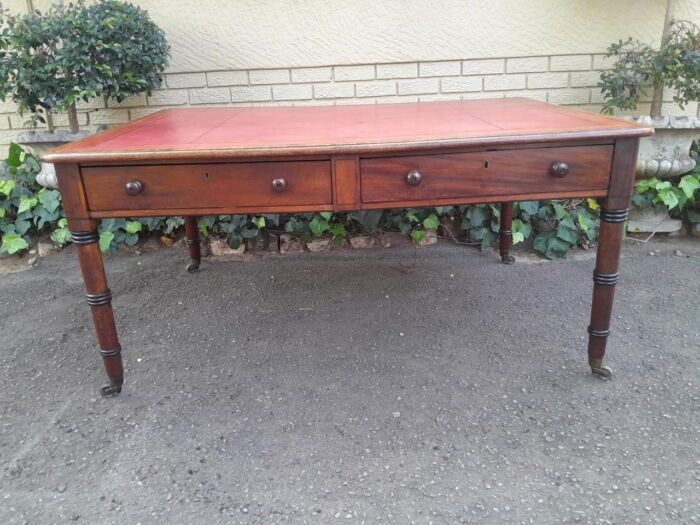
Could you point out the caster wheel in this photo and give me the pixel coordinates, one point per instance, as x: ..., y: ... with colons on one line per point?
x: 192, y: 267
x: 507, y: 259
x: 113, y: 388
x: 604, y: 373
x: 110, y: 391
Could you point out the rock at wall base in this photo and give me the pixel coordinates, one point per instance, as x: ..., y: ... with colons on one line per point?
x: 290, y: 244
x: 220, y: 248
x: 361, y: 242
x: 650, y: 219
x: 429, y: 238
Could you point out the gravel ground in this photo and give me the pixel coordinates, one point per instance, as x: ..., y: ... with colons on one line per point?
x: 385, y: 386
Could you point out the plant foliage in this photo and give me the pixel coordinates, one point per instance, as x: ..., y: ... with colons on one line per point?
x: 639, y: 67
x: 77, y: 52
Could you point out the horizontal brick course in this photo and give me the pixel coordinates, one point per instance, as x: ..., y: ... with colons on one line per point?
x: 457, y: 84
x: 502, y: 82
x: 397, y: 70
x: 292, y: 92
x: 335, y: 90
x: 210, y: 96
x: 484, y: 67
x: 570, y: 63
x: 269, y: 76
x: 569, y: 96
x: 547, y: 80
x: 353, y: 72
x: 376, y: 88
x: 560, y: 79
x: 439, y: 69
x: 186, y: 80
x: 585, y: 78
x: 251, y: 93
x: 227, y: 78
x: 419, y: 86
x: 527, y: 65
x: 312, y: 74
x: 169, y: 97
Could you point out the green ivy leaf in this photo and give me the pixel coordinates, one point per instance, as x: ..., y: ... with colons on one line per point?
x: 529, y: 207
x: 431, y: 222
x: 326, y: 215
x: 689, y: 184
x: 259, y: 222
x: 669, y: 197
x: 26, y: 203
x: 15, y: 156
x: 567, y: 234
x: 338, y: 232
x: 49, y: 199
x: 6, y: 187
x: 318, y: 225
x: 417, y: 235
x: 133, y: 227
x: 106, y: 240
x: 12, y: 243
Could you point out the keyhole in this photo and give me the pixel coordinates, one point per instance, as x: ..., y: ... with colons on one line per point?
x: 206, y: 176
x: 486, y: 164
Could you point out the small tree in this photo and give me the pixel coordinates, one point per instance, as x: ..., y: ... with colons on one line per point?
x: 78, y: 52
x: 676, y: 64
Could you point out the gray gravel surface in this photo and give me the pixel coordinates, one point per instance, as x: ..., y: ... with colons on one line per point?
x: 386, y: 386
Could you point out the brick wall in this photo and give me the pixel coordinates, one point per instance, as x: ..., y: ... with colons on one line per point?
x: 561, y: 79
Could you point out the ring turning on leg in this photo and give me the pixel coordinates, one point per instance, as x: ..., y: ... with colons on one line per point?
x: 193, y: 243
x: 505, y: 235
x: 99, y: 298
x: 605, y: 277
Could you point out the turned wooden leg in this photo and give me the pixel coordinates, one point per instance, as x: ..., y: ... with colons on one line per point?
x: 192, y: 240
x: 100, y: 300
x: 605, y: 277
x: 505, y: 235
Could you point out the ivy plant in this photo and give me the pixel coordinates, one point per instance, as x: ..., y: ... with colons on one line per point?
x: 25, y: 207
x: 78, y: 51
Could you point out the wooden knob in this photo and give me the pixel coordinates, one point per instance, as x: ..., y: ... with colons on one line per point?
x: 413, y: 178
x: 134, y: 187
x: 279, y: 184
x: 560, y: 169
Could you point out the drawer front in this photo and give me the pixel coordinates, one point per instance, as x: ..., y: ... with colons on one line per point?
x: 254, y: 184
x: 485, y: 174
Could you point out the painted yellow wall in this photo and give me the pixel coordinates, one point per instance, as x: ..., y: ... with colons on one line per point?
x: 245, y: 34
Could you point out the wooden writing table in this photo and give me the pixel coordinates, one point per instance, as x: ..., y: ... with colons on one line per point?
x: 212, y: 161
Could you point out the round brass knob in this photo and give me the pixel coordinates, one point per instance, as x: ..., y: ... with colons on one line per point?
x: 279, y: 184
x: 413, y: 178
x: 134, y: 187
x: 560, y: 169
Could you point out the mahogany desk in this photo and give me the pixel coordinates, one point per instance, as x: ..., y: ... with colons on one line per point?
x: 189, y: 162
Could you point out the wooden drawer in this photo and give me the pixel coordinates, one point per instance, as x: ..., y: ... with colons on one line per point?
x: 485, y: 174
x: 226, y: 185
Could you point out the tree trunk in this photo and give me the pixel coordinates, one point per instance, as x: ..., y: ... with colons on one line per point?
x: 657, y: 98
x: 73, y: 119
x: 49, y: 121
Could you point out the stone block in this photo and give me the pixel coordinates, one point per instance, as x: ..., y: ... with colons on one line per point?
x: 360, y: 242
x: 290, y: 244
x: 220, y: 248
